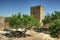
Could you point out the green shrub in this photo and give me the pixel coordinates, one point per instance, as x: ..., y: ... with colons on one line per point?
x: 55, y: 28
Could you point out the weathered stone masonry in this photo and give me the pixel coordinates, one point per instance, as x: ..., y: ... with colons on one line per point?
x: 38, y: 12
x: 2, y: 19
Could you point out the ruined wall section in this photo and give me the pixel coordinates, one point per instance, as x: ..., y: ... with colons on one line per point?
x: 2, y: 19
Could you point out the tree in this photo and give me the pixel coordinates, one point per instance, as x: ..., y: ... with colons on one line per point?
x: 15, y: 21
x: 30, y: 21
x: 51, y: 17
x: 25, y: 21
x: 55, y: 28
x: 55, y: 15
x: 53, y: 21
x: 47, y: 19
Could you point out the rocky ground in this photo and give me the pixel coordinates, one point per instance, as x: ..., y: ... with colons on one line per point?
x: 34, y: 36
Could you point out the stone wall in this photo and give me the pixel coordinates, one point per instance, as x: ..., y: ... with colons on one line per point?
x: 6, y: 25
x: 2, y: 19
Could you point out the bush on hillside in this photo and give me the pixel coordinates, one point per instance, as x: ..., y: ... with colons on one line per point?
x: 55, y: 28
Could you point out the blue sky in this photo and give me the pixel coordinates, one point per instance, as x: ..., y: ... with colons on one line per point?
x: 9, y: 7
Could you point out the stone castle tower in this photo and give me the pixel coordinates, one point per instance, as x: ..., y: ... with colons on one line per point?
x: 38, y: 12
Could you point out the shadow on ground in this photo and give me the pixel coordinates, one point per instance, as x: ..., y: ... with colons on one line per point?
x: 16, y: 35
x: 44, y: 30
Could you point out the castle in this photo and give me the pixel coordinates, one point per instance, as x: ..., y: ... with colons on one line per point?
x: 37, y: 11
